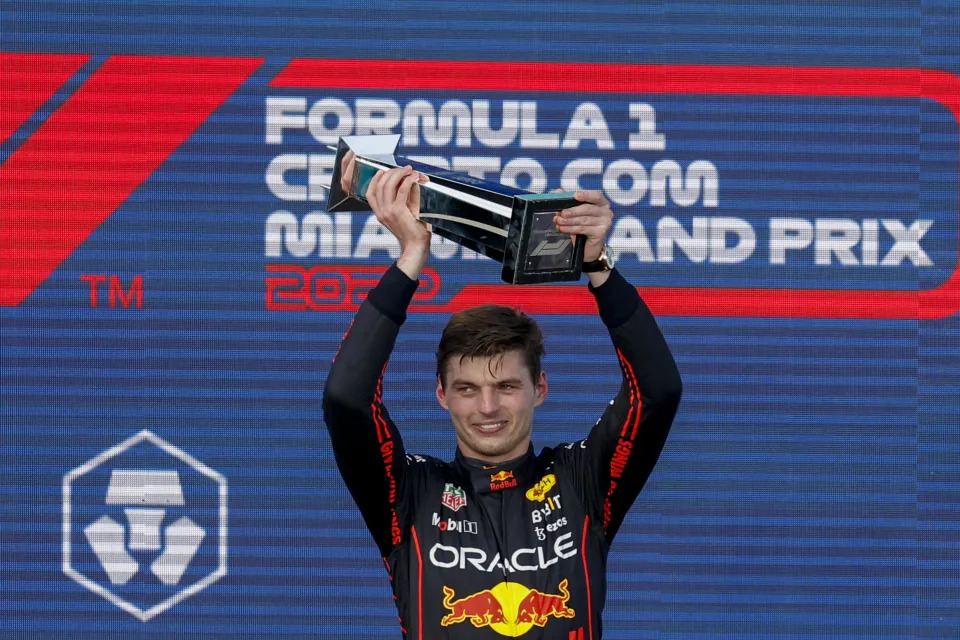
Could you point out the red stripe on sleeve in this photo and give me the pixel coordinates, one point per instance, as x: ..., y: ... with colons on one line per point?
x: 636, y: 405
x: 586, y: 574
x: 623, y: 451
x: 416, y: 544
x: 383, y: 433
x: 388, y: 455
x: 634, y: 393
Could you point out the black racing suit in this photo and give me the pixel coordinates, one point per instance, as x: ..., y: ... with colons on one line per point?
x: 515, y: 549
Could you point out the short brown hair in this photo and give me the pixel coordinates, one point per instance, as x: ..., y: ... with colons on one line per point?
x: 490, y: 330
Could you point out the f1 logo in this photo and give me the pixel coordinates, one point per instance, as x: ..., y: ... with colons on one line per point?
x: 548, y: 248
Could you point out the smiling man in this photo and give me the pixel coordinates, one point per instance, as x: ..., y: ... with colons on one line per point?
x: 489, y: 379
x: 500, y: 542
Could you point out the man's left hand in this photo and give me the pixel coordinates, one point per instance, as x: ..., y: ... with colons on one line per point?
x: 592, y: 219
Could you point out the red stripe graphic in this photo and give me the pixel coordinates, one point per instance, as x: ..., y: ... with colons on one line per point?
x: 94, y: 151
x: 635, y: 402
x: 586, y: 575
x: 628, y: 433
x: 27, y: 80
x: 383, y: 433
x: 416, y: 544
x: 387, y: 452
x: 634, y: 392
x: 599, y: 78
x: 939, y: 86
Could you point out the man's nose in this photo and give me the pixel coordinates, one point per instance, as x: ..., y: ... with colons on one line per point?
x: 489, y: 401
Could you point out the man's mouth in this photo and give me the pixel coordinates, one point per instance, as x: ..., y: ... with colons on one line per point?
x: 489, y: 428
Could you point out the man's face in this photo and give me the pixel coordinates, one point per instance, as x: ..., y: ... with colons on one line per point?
x: 491, y: 401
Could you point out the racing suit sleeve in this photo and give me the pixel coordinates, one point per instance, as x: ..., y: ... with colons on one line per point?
x: 366, y: 442
x: 613, y: 463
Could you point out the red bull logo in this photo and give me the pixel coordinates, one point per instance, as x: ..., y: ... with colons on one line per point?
x: 481, y: 609
x: 502, y: 480
x: 538, y: 607
x: 509, y: 608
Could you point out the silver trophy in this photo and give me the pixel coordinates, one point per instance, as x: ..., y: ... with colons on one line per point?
x: 510, y: 225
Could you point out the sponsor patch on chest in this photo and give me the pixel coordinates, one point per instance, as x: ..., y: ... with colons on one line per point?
x: 453, y: 497
x: 449, y: 524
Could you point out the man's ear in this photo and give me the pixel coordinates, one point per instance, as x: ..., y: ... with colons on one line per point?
x: 441, y: 394
x: 541, y: 388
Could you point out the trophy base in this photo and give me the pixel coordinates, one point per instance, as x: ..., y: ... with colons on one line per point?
x: 535, y: 251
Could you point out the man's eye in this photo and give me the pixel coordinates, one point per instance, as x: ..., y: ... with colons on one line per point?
x: 507, y: 387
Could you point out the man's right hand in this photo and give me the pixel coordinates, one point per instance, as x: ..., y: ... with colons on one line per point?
x: 394, y: 196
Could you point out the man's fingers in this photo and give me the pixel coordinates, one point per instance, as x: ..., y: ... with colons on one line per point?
x: 583, y: 219
x: 592, y: 221
x: 563, y: 225
x: 387, y: 187
x: 593, y: 197
x: 593, y: 218
x: 582, y: 229
x: 403, y: 191
x: 346, y: 170
x: 372, y: 190
x: 591, y: 210
x: 391, y: 185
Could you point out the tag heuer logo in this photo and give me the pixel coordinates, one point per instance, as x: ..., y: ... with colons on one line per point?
x: 453, y: 497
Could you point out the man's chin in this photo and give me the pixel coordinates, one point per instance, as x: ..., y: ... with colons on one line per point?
x: 497, y: 447
x: 491, y: 451
x: 488, y: 448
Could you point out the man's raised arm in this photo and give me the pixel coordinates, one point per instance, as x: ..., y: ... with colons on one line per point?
x: 616, y: 459
x: 624, y: 445
x: 366, y: 442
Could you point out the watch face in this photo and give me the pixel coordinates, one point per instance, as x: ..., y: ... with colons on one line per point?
x: 607, y: 257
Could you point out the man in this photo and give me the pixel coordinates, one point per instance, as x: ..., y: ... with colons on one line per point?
x: 500, y: 542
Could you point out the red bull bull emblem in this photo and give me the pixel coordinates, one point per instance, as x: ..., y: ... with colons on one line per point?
x: 509, y: 608
x: 502, y: 480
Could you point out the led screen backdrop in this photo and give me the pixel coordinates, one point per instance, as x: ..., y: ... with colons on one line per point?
x: 785, y: 183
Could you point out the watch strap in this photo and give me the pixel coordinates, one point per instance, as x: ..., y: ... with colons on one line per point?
x: 602, y: 263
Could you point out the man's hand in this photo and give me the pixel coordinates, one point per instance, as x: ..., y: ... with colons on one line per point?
x: 394, y: 196
x: 347, y: 166
x: 592, y: 219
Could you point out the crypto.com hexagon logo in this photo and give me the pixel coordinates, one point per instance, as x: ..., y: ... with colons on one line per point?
x: 144, y: 525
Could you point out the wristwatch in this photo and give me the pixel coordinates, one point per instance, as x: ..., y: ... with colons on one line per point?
x: 605, y: 262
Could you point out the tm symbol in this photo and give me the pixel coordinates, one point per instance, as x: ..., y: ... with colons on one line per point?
x: 115, y: 290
